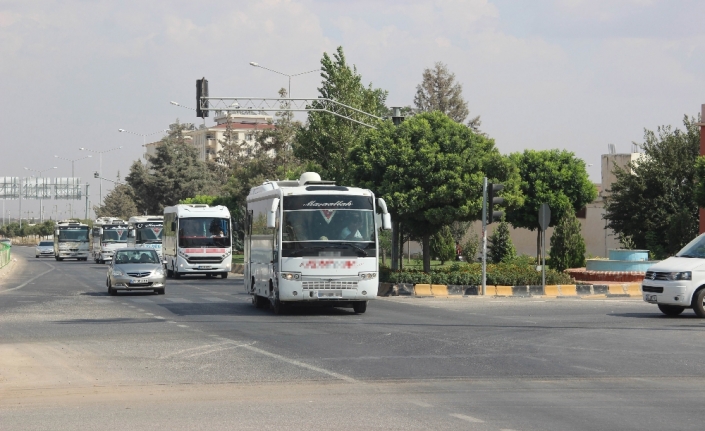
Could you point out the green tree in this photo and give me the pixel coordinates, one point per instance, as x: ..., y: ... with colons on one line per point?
x: 567, y: 243
x: 470, y: 246
x: 442, y: 245
x: 499, y: 245
x: 555, y: 177
x: 119, y: 202
x: 175, y: 173
x: 326, y: 139
x: 430, y: 171
x: 438, y: 91
x: 653, y: 201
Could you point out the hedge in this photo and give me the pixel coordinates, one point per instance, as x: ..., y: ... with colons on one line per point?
x: 501, y: 274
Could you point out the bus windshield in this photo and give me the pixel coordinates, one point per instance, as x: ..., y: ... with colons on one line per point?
x: 204, y: 232
x: 340, y: 232
x: 148, y: 233
x: 73, y: 234
x: 114, y: 234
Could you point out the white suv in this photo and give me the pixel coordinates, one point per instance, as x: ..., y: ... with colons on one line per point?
x: 678, y: 282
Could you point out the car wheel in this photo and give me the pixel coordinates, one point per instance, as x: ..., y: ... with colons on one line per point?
x: 36, y: 256
x: 670, y: 310
x: 224, y: 275
x: 360, y: 307
x: 209, y: 275
x: 111, y: 291
x: 698, y: 303
x: 160, y: 291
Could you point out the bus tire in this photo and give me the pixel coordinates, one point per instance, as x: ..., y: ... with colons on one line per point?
x: 258, y: 301
x: 176, y: 273
x: 224, y: 275
x: 278, y: 307
x: 360, y: 307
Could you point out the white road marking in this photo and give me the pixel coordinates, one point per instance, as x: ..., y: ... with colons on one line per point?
x: 182, y: 326
x: 214, y: 299
x: 159, y: 317
x: 467, y: 418
x: 179, y: 300
x: 300, y: 364
x: 420, y: 403
x: 142, y: 300
x: 31, y: 279
x: 595, y: 370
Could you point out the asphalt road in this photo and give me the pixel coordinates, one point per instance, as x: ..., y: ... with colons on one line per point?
x: 202, y: 357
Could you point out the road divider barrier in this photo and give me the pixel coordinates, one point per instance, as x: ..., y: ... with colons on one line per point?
x: 554, y: 291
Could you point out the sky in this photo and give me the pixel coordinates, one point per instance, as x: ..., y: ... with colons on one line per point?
x: 542, y: 74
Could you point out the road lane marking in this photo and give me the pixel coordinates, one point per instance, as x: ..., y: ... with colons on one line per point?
x: 300, y: 364
x: 31, y: 279
x: 182, y: 326
x: 467, y: 418
x: 214, y: 299
x: 179, y: 300
x: 142, y: 300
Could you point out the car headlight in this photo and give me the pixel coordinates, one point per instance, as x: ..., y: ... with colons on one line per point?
x: 367, y: 275
x: 117, y: 273
x: 159, y: 271
x: 291, y: 275
x: 685, y: 275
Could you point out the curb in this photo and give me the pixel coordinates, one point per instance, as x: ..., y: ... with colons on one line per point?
x: 626, y: 290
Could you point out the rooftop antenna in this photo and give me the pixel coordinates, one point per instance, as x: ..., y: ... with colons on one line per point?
x: 635, y: 147
x: 611, y: 149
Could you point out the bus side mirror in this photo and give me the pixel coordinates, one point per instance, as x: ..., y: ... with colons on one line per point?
x: 386, y: 217
x: 387, y: 221
x: 272, y: 214
x: 173, y: 226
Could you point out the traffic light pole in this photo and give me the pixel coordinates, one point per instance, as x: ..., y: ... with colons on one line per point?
x: 484, y: 236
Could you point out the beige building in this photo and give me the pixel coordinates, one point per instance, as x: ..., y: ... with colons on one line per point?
x: 206, y: 140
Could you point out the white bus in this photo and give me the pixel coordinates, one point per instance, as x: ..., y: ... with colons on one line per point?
x: 109, y: 235
x: 197, y: 240
x: 71, y: 240
x: 146, y: 232
x: 312, y: 242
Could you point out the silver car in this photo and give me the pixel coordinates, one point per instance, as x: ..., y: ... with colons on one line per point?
x: 44, y: 248
x: 136, y: 269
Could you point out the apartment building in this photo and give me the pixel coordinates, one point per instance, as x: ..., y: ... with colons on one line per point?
x: 206, y: 140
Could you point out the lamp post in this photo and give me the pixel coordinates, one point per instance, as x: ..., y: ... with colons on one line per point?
x: 255, y: 64
x: 41, y: 199
x: 143, y: 135
x: 72, y: 161
x: 100, y: 156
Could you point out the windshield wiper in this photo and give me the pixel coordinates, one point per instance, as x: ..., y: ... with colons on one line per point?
x: 687, y: 255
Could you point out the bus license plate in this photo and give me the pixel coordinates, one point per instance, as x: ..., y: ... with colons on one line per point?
x: 139, y: 281
x: 204, y: 267
x: 651, y: 298
x: 330, y: 293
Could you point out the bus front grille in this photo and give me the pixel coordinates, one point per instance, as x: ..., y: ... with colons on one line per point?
x: 324, y: 285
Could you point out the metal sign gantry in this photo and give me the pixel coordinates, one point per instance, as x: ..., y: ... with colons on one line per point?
x: 263, y: 104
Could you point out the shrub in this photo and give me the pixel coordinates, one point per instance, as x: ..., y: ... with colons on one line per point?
x: 500, y: 247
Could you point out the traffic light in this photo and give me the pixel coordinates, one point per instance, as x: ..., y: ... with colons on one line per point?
x: 201, y: 91
x: 492, y: 200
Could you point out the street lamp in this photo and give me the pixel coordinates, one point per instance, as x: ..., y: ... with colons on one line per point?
x: 255, y: 64
x: 143, y: 135
x: 72, y: 161
x: 100, y: 155
x: 41, y: 200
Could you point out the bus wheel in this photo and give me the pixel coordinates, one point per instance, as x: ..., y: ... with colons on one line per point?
x: 169, y: 273
x: 258, y: 301
x: 278, y: 307
x: 176, y: 274
x: 224, y: 275
x: 360, y: 307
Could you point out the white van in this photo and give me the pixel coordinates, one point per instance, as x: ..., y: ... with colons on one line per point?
x: 678, y: 282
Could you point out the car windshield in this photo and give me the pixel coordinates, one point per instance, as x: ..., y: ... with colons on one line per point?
x: 695, y: 248
x: 46, y: 244
x: 136, y: 256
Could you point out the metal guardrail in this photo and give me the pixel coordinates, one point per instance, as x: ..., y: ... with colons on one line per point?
x: 4, y: 254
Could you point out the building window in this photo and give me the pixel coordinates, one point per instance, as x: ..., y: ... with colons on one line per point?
x: 581, y: 213
x: 248, y: 136
x: 210, y: 136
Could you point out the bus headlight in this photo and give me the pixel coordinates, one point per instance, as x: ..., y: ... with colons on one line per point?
x: 291, y: 275
x: 367, y: 275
